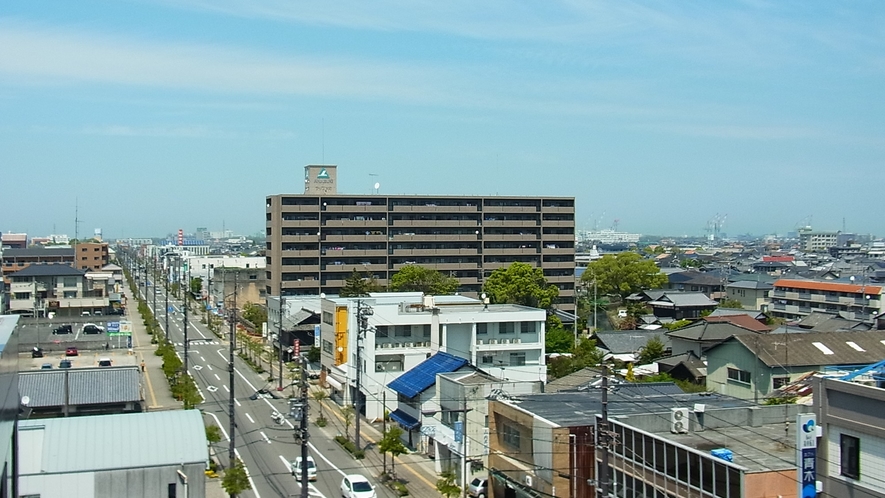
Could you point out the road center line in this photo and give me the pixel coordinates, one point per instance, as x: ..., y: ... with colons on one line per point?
x: 217, y: 377
x: 250, y: 418
x: 225, y: 387
x: 265, y: 437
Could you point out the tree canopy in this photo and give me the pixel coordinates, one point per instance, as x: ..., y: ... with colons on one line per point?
x: 559, y: 340
x: 654, y: 349
x: 623, y: 274
x: 520, y: 283
x: 416, y: 278
x: 359, y: 285
x: 586, y: 354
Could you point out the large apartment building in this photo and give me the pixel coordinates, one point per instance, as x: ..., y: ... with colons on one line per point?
x: 792, y: 299
x: 317, y: 239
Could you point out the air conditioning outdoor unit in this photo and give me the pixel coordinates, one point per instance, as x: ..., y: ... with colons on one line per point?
x: 479, y: 341
x: 493, y: 341
x: 518, y: 341
x: 679, y: 420
x: 408, y: 344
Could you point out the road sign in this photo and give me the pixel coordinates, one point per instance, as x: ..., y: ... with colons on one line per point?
x: 113, y: 327
x: 459, y: 431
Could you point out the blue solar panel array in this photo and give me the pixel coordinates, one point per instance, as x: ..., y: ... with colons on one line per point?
x: 416, y: 380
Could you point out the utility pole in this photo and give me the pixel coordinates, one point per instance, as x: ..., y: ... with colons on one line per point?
x: 384, y: 427
x: 166, y: 288
x: 187, y: 291
x: 362, y: 314
x: 154, y: 275
x: 280, y: 335
x: 603, y: 440
x: 304, y: 419
x: 230, y: 368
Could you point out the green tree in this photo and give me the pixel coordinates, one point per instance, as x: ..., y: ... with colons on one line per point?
x: 213, y: 434
x: 197, y: 285
x: 392, y: 443
x: 446, y: 485
x: 313, y: 354
x: 359, y: 285
x: 235, y: 479
x: 416, y: 278
x: 731, y: 304
x: 520, y: 283
x: 654, y: 349
x: 559, y: 340
x: 347, y: 414
x: 319, y: 396
x: 623, y: 274
x: 255, y: 313
x: 587, y: 354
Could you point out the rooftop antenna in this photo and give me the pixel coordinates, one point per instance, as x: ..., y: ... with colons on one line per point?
x: 376, y: 183
x: 324, y: 141
x: 77, y: 218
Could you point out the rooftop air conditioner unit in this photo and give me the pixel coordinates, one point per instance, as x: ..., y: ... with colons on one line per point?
x: 506, y: 341
x: 493, y: 341
x: 479, y: 341
x: 518, y: 341
x: 679, y: 420
x: 408, y: 345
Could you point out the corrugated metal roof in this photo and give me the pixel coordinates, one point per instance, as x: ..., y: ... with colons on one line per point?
x: 423, y: 375
x: 817, y: 348
x: 827, y: 286
x: 87, y: 386
x: 106, y: 442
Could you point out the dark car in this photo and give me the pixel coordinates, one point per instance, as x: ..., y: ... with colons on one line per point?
x: 91, y: 328
x: 63, y: 329
x: 71, y: 351
x: 262, y: 393
x: 64, y: 364
x: 37, y: 353
x: 46, y: 366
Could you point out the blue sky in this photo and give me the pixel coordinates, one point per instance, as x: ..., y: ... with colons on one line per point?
x: 159, y: 115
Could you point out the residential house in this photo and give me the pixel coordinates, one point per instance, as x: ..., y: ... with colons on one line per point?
x: 685, y: 366
x: 751, y: 294
x: 543, y: 444
x: 851, y: 453
x: 792, y: 299
x: 709, y: 284
x: 626, y: 345
x: 675, y: 304
x: 750, y: 366
x: 405, y: 328
x: 58, y: 288
x: 703, y: 335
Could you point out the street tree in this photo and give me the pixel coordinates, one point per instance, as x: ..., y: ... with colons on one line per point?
x: 520, y: 283
x: 446, y: 485
x: 235, y: 479
x: 654, y: 349
x: 359, y: 285
x: 255, y: 313
x: 213, y: 434
x: 196, y: 285
x: 731, y: 304
x: 392, y: 443
x: 416, y: 278
x: 623, y: 274
x: 347, y: 414
x: 319, y: 396
x: 559, y: 340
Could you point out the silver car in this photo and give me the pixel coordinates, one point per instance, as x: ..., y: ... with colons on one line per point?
x: 478, y: 488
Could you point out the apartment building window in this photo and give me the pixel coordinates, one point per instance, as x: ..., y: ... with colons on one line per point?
x: 739, y: 375
x: 23, y: 295
x: 510, y: 435
x: 779, y: 382
x: 517, y: 359
x: 849, y: 447
x: 327, y: 318
x: 505, y: 328
x: 426, y: 331
x: 488, y: 359
x: 382, y: 331
x: 527, y: 327
x: 327, y: 346
x: 402, y: 331
x: 482, y: 328
x: 70, y: 294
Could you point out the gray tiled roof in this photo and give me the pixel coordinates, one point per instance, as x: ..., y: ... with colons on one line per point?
x: 629, y: 341
x: 39, y: 251
x: 750, y: 284
x: 801, y: 349
x: 87, y: 386
x: 49, y: 270
x: 704, y: 331
x: 682, y: 299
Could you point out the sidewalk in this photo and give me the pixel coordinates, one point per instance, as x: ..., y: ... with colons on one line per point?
x: 416, y: 470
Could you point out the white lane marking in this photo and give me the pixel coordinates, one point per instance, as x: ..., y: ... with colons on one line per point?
x: 217, y: 377
x: 237, y: 402
x: 225, y: 387
x: 237, y: 453
x: 250, y: 418
x: 313, y: 491
x: 202, y: 359
x: 317, y: 452
x: 208, y: 366
x: 265, y: 437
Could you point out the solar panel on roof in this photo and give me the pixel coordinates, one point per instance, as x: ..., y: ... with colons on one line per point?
x: 416, y: 380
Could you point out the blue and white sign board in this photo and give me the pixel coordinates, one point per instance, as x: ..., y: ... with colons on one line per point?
x: 459, y: 431
x: 113, y: 327
x: 316, y: 334
x: 806, y: 454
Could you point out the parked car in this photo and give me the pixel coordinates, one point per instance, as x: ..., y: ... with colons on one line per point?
x: 63, y: 329
x: 104, y: 362
x: 311, y: 469
x: 91, y: 328
x: 262, y: 393
x: 478, y: 488
x: 357, y: 486
x: 37, y: 352
x: 46, y: 366
x: 71, y: 351
x: 65, y: 364
x: 85, y: 313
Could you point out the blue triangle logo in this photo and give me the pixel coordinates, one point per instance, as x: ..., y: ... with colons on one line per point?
x: 323, y: 175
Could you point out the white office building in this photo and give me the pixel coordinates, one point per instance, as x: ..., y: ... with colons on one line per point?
x: 404, y: 329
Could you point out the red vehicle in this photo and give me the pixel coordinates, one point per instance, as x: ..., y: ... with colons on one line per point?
x: 72, y: 351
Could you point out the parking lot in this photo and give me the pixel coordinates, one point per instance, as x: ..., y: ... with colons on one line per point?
x: 91, y: 347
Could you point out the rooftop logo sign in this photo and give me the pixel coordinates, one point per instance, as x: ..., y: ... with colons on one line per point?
x: 323, y: 175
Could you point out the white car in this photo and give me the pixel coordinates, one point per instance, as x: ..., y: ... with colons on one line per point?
x: 357, y: 486
x: 311, y: 469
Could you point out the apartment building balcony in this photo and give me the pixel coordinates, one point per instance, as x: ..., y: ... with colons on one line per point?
x: 559, y: 223
x: 557, y: 209
x: 557, y: 250
x: 343, y: 253
x: 291, y: 253
x: 300, y: 223
x: 435, y: 252
x: 433, y: 237
x: 296, y: 208
x: 506, y: 343
x: 494, y: 265
x: 352, y: 208
x: 26, y: 287
x: 440, y: 266
x: 509, y: 251
x: 511, y: 209
x: 300, y: 268
x: 300, y: 284
x: 436, y: 223
x: 510, y: 237
x: 549, y: 237
x: 355, y: 223
x: 400, y: 343
x: 558, y: 279
x: 300, y: 238
x: 432, y: 208
x: 372, y: 237
x: 350, y: 268
x: 510, y: 223
x: 558, y: 264
x: 467, y: 280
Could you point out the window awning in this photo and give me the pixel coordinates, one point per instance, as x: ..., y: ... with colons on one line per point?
x: 404, y: 419
x: 334, y: 383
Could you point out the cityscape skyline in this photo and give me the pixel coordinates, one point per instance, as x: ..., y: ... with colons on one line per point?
x: 659, y: 115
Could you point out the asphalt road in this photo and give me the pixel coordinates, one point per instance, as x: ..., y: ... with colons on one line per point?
x: 265, y: 447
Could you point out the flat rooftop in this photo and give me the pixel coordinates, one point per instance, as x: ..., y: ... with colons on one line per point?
x: 758, y: 449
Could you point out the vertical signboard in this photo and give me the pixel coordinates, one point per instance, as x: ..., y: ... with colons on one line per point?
x: 296, y: 348
x: 806, y: 454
